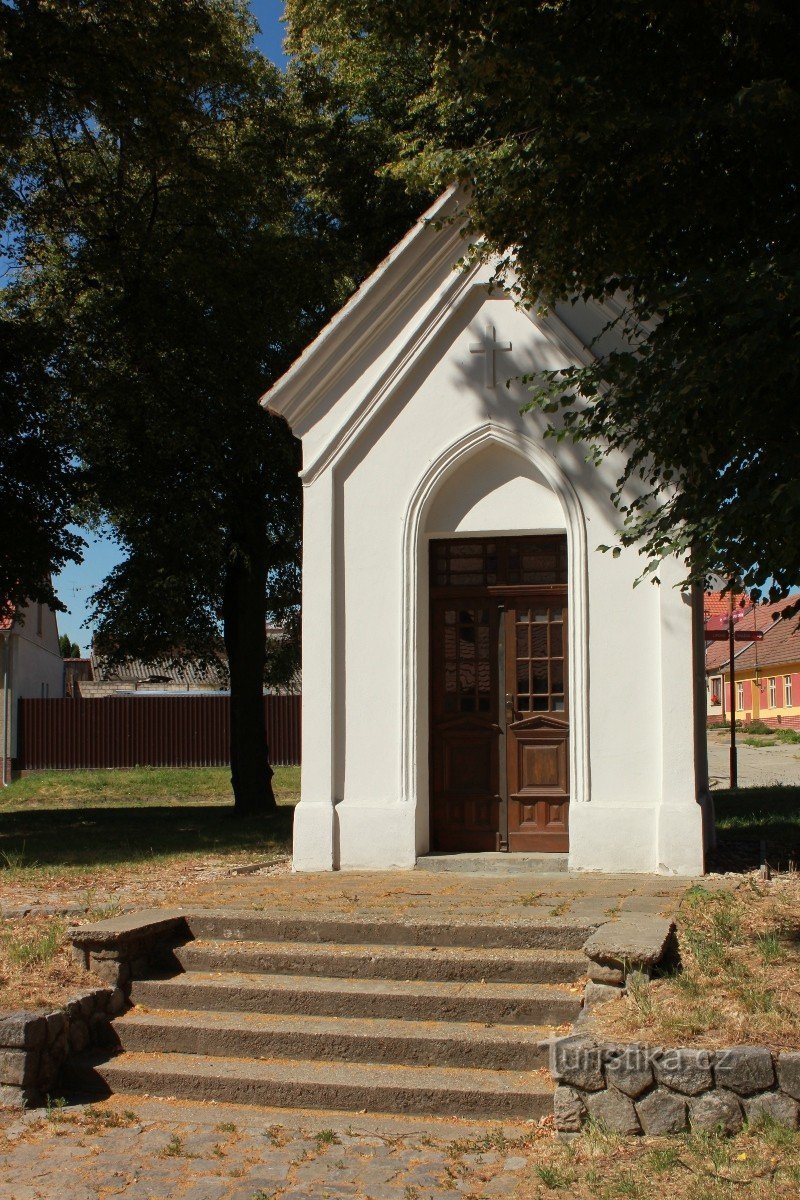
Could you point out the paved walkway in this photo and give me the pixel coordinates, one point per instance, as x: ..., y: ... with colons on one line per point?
x: 151, y: 1150
x: 421, y: 895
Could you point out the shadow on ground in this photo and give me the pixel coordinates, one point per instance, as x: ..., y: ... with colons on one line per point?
x: 757, y: 822
x: 107, y: 836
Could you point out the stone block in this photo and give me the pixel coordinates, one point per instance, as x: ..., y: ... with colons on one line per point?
x: 631, y: 942
x: 23, y: 1030
x: 87, y: 1004
x: 577, y: 1062
x: 17, y: 1097
x: 81, y: 956
x: 19, y: 1068
x: 662, y: 1112
x: 599, y: 993
x: 78, y: 1035
x: 116, y: 1002
x: 101, y: 1032
x: 569, y: 1110
x: 73, y: 1010
x: 686, y: 1071
x: 613, y: 1110
x: 772, y: 1106
x: 49, y: 1067
x: 603, y: 973
x: 629, y: 1069
x: 789, y: 1073
x: 717, y: 1110
x: 56, y: 1024
x: 744, y: 1069
x: 130, y: 929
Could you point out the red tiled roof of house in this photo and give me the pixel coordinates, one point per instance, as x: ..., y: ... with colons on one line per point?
x: 781, y: 644
x: 781, y: 641
x: 715, y: 604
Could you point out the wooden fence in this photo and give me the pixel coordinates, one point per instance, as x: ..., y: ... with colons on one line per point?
x: 145, y: 731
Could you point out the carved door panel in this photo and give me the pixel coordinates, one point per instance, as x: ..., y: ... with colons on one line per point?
x: 537, y: 723
x: 465, y: 734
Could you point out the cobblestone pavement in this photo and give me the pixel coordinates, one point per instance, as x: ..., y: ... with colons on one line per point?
x: 156, y: 1150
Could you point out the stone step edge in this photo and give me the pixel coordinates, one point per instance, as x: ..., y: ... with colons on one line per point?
x: 420, y: 1044
x: 234, y: 925
x: 442, y: 1091
x: 318, y: 984
x: 364, y: 1026
x: 385, y: 949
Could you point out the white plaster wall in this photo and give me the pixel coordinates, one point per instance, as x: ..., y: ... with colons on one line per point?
x: 636, y: 808
x: 36, y: 667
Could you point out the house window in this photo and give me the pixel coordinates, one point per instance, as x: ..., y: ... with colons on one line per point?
x: 771, y: 683
x: 787, y: 691
x: 715, y: 697
x: 740, y: 695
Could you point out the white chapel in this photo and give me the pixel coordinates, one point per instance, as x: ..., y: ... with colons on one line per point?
x: 477, y: 676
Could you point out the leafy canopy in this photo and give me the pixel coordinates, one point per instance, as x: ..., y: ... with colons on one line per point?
x: 179, y: 219
x: 647, y: 152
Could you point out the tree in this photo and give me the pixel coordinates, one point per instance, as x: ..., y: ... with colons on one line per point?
x: 163, y: 223
x: 647, y: 153
x: 39, y: 480
x: 68, y: 648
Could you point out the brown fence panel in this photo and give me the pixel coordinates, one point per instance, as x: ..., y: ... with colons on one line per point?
x: 145, y: 731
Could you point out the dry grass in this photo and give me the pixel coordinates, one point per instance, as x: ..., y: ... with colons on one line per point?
x: 758, y: 1164
x: 740, y: 976
x: 101, y: 841
x: 37, y: 969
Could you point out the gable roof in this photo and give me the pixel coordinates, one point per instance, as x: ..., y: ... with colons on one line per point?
x: 361, y: 357
x: 296, y: 391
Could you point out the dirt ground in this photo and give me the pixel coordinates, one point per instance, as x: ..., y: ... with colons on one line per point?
x: 759, y: 766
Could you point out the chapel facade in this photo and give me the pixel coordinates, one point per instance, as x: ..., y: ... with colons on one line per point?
x: 477, y: 675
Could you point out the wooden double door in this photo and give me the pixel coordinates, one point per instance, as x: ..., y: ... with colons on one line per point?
x: 499, y: 736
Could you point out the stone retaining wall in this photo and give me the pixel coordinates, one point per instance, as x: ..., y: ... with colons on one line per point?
x: 35, y: 1044
x: 644, y: 1089
x: 129, y: 947
x: 635, y: 1089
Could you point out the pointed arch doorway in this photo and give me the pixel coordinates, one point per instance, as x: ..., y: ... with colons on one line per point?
x: 499, y: 702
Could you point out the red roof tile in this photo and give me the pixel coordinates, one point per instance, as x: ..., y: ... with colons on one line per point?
x: 781, y: 641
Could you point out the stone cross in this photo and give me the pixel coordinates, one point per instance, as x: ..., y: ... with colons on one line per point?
x: 489, y: 346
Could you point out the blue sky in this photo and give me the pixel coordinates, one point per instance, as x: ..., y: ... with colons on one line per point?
x: 75, y: 584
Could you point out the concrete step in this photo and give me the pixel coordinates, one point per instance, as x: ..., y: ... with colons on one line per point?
x: 495, y: 863
x: 556, y: 933
x: 495, y: 1003
x: 338, y: 1039
x: 446, y: 963
x: 297, y: 1083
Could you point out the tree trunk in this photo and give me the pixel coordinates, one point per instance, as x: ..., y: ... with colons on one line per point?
x: 244, y: 615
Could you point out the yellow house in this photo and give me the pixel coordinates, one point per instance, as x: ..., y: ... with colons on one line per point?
x: 766, y: 673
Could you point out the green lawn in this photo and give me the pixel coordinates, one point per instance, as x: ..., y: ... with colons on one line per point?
x: 752, y: 815
x: 59, y: 820
x: 143, y: 786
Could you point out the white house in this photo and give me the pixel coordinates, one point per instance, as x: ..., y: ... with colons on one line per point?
x: 476, y: 675
x: 30, y: 666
